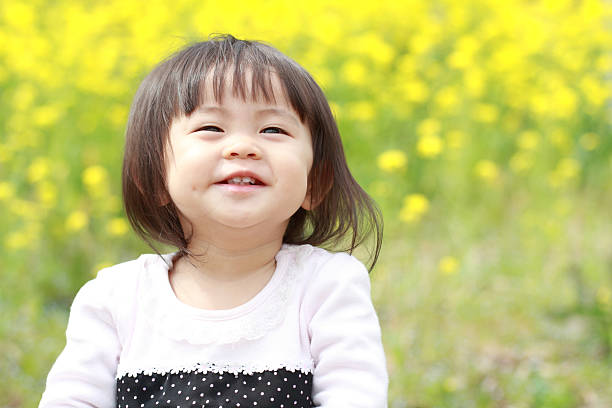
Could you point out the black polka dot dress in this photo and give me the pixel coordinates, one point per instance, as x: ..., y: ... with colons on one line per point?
x: 279, y: 388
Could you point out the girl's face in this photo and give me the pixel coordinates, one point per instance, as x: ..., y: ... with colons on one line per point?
x: 239, y: 165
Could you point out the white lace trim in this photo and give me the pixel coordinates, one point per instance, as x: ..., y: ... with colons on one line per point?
x: 305, y: 367
x: 251, y: 325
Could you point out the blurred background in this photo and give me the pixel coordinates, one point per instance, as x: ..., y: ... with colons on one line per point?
x: 483, y: 129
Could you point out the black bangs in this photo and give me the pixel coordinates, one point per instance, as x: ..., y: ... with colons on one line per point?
x: 249, y: 68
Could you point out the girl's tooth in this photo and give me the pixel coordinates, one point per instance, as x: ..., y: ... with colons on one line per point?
x: 242, y: 180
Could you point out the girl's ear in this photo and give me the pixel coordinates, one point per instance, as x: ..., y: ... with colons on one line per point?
x: 307, y: 204
x: 314, y: 198
x: 163, y: 198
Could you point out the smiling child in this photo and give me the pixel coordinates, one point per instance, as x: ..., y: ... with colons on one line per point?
x: 233, y: 157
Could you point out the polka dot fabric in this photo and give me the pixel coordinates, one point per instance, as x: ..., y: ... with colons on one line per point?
x: 270, y: 389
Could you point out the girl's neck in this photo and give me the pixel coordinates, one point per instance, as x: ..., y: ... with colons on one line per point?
x: 225, y: 253
x: 223, y: 277
x: 233, y: 261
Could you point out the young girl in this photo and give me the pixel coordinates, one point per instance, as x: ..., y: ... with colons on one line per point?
x: 233, y: 156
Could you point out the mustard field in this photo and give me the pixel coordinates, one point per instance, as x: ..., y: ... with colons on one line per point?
x: 482, y: 128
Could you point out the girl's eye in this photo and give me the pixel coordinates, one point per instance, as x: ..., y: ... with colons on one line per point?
x: 209, y: 128
x: 274, y: 129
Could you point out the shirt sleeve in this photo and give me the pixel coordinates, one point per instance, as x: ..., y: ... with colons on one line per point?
x: 84, y: 373
x: 345, y: 338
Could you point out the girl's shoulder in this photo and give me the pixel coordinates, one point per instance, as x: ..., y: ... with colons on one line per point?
x: 320, y: 266
x: 135, y: 269
x: 317, y: 257
x: 121, y: 280
x: 115, y: 289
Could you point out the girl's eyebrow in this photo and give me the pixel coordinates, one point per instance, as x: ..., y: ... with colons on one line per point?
x: 205, y: 109
x: 260, y: 112
x: 279, y: 112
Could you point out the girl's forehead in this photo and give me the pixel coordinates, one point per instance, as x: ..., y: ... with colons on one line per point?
x: 264, y: 89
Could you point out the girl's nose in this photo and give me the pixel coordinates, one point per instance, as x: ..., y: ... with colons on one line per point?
x: 242, y: 150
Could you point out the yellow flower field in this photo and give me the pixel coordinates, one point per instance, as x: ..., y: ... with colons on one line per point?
x: 482, y: 128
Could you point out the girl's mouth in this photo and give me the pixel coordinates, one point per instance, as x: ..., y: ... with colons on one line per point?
x: 242, y: 181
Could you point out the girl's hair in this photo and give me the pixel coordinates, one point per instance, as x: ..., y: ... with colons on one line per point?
x: 343, y: 215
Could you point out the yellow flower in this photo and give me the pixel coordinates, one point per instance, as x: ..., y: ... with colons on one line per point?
x: 447, y: 98
x: 322, y: 75
x: 469, y: 44
x: 429, y: 126
x: 560, y: 139
x: 555, y: 180
x: 604, y: 295
x: 474, y: 82
x: 429, y: 146
x: 528, y: 140
x: 507, y: 58
x: 589, y: 141
x: 415, y: 90
x: 24, y: 96
x: 407, y: 65
x: 453, y: 383
x: 565, y: 102
x: 521, y: 162
x: 354, y: 72
x: 46, y: 115
x: 392, y: 160
x: 39, y: 169
x: 539, y: 103
x: 568, y: 168
x: 117, y: 227
x: 17, y: 240
x: 463, y: 56
x: 94, y: 176
x: 5, y: 152
x: 47, y: 193
x: 460, y: 60
x: 415, y: 206
x: 604, y: 63
x: 448, y: 265
x: 373, y: 46
x: 25, y: 209
x: 487, y: 170
x: 362, y: 110
x: 76, y: 221
x: 7, y: 190
x: 22, y: 238
x: 422, y: 42
x: 19, y: 15
x: 486, y: 113
x: 118, y: 115
x: 594, y: 91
